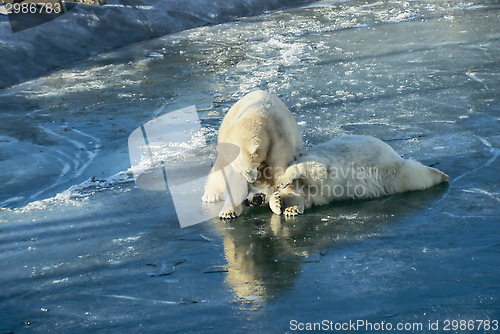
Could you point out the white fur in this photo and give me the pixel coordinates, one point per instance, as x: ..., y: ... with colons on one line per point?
x: 267, y: 136
x: 350, y: 167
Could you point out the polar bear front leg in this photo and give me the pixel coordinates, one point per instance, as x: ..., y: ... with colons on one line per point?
x: 235, y: 192
x: 294, y: 203
x: 275, y: 203
x: 213, y: 188
x: 291, y: 174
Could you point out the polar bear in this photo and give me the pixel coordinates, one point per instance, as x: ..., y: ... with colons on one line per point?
x: 350, y: 167
x: 267, y: 136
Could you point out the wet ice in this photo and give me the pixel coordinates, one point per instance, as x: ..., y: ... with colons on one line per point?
x: 422, y: 76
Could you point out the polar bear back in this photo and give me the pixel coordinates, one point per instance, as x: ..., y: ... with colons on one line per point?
x: 260, y: 109
x: 358, y: 150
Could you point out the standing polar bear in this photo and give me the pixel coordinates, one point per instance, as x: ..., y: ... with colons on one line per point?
x: 257, y: 140
x: 349, y: 167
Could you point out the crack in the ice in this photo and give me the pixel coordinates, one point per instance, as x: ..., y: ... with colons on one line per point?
x: 496, y: 153
x: 141, y: 299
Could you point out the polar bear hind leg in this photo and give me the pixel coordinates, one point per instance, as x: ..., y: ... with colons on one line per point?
x: 412, y: 175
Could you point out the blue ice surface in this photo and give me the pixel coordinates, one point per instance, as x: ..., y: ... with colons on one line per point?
x: 84, y: 250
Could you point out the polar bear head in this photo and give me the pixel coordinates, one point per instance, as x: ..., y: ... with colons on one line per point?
x: 247, y: 157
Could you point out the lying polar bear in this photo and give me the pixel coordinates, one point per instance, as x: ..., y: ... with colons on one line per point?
x: 350, y: 167
x: 267, y: 136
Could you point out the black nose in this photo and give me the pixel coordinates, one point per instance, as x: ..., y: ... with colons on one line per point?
x: 247, y: 202
x: 258, y: 199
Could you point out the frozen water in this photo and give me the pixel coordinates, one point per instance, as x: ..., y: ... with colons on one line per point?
x: 77, y: 235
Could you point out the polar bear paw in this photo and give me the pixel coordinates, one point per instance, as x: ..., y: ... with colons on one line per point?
x: 229, y: 213
x: 293, y: 211
x: 275, y: 203
x: 211, y: 197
